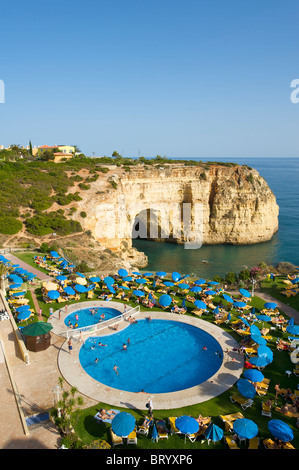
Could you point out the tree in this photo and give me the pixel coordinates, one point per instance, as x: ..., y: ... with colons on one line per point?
x: 65, y: 409
x: 231, y: 278
x: 30, y: 147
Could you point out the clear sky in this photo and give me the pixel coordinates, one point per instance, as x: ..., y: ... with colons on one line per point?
x: 192, y: 78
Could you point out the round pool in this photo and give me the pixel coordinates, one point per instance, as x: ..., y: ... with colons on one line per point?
x: 162, y: 356
x: 90, y: 316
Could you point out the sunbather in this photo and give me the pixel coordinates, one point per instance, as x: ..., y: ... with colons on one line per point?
x: 104, y: 414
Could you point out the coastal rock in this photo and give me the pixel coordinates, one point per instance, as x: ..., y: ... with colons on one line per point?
x: 228, y: 204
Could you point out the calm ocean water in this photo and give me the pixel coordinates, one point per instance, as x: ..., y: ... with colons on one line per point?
x: 282, y: 175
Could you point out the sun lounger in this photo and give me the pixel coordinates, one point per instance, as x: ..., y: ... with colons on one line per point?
x: 116, y: 440
x: 288, y: 445
x: 229, y: 419
x: 145, y: 429
x: 107, y: 420
x: 132, y: 438
x: 261, y: 391
x: 161, y: 429
x: 173, y: 428
x: 269, y: 444
x: 244, y: 402
x: 231, y: 442
x: 254, y: 443
x: 266, y: 410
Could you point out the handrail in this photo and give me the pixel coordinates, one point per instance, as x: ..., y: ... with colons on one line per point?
x: 100, y: 326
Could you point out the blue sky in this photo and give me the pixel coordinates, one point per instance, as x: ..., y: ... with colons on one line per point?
x: 193, y: 78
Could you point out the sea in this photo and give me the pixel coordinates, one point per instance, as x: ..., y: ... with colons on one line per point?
x: 282, y: 175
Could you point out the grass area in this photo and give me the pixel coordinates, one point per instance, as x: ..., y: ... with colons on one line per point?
x: 274, y: 288
x: 28, y: 257
x: 88, y: 429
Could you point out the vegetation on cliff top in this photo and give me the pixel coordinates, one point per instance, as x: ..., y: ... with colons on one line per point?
x: 29, y: 188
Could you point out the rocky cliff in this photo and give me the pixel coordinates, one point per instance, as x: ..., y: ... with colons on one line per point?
x: 228, y: 204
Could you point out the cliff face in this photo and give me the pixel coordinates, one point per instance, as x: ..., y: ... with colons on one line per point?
x: 229, y: 204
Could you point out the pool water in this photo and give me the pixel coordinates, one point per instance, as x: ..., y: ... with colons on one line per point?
x: 86, y: 318
x: 162, y: 356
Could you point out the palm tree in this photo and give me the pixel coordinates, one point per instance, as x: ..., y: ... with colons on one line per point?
x: 3, y: 271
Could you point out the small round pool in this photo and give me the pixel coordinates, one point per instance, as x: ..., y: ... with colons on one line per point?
x: 162, y: 356
x: 88, y: 317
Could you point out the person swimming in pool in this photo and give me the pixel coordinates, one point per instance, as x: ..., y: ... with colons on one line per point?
x: 101, y: 344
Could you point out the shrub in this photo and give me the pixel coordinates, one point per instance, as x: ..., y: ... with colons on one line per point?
x: 83, y: 214
x: 9, y: 225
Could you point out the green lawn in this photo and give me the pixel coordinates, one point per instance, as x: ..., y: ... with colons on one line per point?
x: 89, y: 429
x: 274, y: 288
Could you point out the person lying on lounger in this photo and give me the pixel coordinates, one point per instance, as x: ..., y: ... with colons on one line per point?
x: 104, y: 414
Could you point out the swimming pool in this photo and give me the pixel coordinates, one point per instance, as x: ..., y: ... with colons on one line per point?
x: 86, y: 318
x: 162, y: 356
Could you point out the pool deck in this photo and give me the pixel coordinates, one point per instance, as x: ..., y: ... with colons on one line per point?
x: 70, y: 368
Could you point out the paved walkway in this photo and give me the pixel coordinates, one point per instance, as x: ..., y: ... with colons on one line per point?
x: 39, y: 274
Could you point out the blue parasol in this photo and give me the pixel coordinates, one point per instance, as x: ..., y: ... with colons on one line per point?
x: 53, y: 294
x: 266, y: 353
x: 245, y: 293
x: 123, y: 424
x: 196, y: 289
x: 246, y: 388
x: 141, y: 281
x: 200, y: 282
x: 213, y: 283
x: 200, y: 304
x: 165, y: 300
x: 183, y: 286
x: 61, y: 277
x: 161, y: 273
x: 244, y: 321
x: 18, y: 294
x: 155, y: 434
x: 23, y: 308
x: 95, y: 279
x: 110, y: 288
x: 147, y: 274
x: 125, y: 287
x: 127, y: 278
x: 187, y: 424
x: 239, y: 304
x: 228, y: 298
x: 245, y: 428
x: 175, y: 276
x: 54, y: 254
x: 258, y: 361
x: 69, y: 290
x: 254, y: 375
x: 213, y: 432
x: 24, y: 315
x: 291, y: 321
x: 15, y: 286
x: 109, y: 280
x: 258, y: 339
x: 210, y: 292
x: 270, y: 305
x: 80, y: 274
x: 122, y: 272
x: 263, y: 317
x: 168, y: 283
x: 293, y: 329
x: 138, y: 293
x: 79, y: 288
x: 254, y: 330
x: 280, y: 430
x: 136, y: 273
